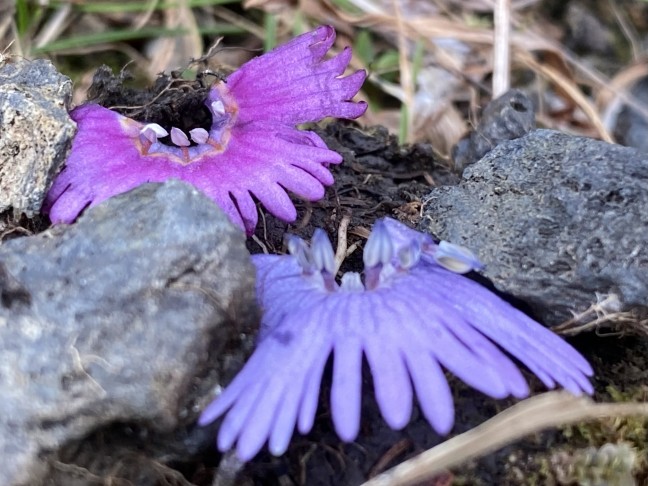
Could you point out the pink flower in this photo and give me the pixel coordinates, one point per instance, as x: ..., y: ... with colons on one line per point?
x: 409, y: 315
x: 251, y: 149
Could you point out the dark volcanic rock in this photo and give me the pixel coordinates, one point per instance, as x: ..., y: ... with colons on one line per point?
x: 35, y: 131
x: 557, y: 219
x: 123, y: 317
x: 631, y: 125
x: 505, y: 118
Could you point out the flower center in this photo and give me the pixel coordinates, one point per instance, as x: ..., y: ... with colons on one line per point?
x: 380, y: 265
x: 186, y: 148
x: 387, y: 256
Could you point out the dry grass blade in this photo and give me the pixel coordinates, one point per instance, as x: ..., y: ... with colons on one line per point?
x: 550, y: 409
x: 618, y: 92
x: 570, y: 88
x: 54, y: 26
x: 502, y: 48
x: 524, y: 41
x: 406, y: 81
x: 169, y: 53
x: 607, y: 312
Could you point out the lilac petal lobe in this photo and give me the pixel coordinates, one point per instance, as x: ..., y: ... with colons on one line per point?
x: 390, y: 376
x: 310, y: 395
x: 347, y: 387
x: 429, y: 323
x: 432, y: 389
x: 259, y: 423
x: 237, y: 417
x: 311, y: 369
x: 308, y: 404
x: 286, y: 419
x: 493, y: 373
x: 239, y: 387
x: 531, y: 343
x: 535, y: 346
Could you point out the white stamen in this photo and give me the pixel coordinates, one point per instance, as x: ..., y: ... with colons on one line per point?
x: 322, y: 252
x: 409, y: 255
x: 351, y: 282
x: 299, y: 249
x: 218, y: 108
x: 179, y: 137
x: 199, y: 135
x: 152, y: 132
x: 456, y: 258
x: 379, y: 247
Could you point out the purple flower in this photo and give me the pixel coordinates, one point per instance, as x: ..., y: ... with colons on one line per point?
x: 251, y: 148
x: 408, y: 315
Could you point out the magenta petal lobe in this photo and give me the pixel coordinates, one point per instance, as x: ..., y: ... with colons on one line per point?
x: 251, y: 148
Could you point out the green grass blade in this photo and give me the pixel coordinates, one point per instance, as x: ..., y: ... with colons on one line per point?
x: 129, y: 35
x: 108, y: 37
x: 127, y: 7
x: 270, y: 28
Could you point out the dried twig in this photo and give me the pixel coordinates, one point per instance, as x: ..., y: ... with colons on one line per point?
x: 341, y: 250
x: 550, y: 409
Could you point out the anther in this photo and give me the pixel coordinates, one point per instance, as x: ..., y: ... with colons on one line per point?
x: 322, y: 252
x: 379, y: 248
x: 409, y: 255
x: 199, y: 135
x: 218, y: 108
x: 456, y: 258
x: 152, y: 132
x: 179, y: 137
x: 299, y: 249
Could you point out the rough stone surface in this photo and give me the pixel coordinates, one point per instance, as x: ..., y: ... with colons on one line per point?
x: 556, y: 219
x: 505, y: 118
x: 120, y: 317
x: 35, y: 131
x: 631, y: 125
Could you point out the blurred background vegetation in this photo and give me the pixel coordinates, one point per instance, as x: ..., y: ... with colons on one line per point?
x: 430, y: 62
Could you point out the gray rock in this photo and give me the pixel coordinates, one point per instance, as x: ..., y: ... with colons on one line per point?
x: 505, y: 118
x: 631, y: 125
x: 35, y: 131
x: 114, y: 318
x: 556, y: 219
